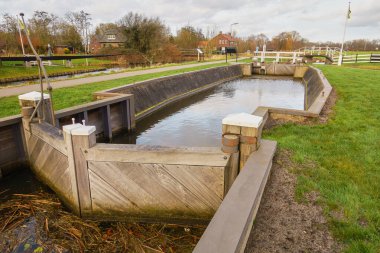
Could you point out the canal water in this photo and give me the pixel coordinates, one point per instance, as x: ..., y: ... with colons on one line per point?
x: 197, y: 120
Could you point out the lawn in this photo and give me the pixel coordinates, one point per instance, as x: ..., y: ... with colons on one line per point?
x: 20, y: 71
x: 345, y: 158
x: 67, y: 97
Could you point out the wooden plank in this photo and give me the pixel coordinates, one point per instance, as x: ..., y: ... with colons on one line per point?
x: 71, y: 171
x: 229, y: 129
x: 230, y: 227
x: 85, y: 117
x: 125, y: 115
x: 50, y: 135
x: 156, y: 155
x: 106, y: 119
x: 132, y: 111
x: 116, y: 117
x: 92, y: 105
x: 231, y: 171
x: 245, y: 148
x: 158, y: 187
x: 10, y: 120
x: 80, y: 142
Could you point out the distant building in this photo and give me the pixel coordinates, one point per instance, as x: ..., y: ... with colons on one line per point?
x: 111, y: 38
x: 63, y: 49
x: 220, y: 42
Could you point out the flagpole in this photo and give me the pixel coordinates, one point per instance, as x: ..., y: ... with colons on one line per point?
x: 344, y: 35
x: 21, y: 40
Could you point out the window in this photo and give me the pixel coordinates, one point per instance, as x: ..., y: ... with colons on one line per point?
x: 111, y: 36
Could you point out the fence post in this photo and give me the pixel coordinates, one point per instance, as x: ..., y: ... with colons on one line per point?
x: 277, y: 57
x: 356, y: 60
x: 370, y: 58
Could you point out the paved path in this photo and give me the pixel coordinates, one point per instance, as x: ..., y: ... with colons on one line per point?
x: 11, y: 91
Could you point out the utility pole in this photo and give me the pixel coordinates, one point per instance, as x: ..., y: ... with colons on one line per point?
x: 231, y: 27
x: 344, y: 34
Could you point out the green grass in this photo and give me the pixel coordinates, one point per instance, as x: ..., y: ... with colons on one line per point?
x: 20, y: 71
x: 346, y: 153
x: 67, y: 97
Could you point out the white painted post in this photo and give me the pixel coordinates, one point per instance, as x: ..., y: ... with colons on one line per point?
x: 294, y: 57
x: 263, y: 53
x: 277, y: 57
x: 33, y: 99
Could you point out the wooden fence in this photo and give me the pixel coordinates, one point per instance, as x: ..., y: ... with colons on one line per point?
x: 110, y: 115
x: 128, y: 182
x: 359, y: 58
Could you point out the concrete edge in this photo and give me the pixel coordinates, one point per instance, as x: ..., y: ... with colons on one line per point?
x: 317, y: 106
x: 115, y: 89
x: 171, y: 100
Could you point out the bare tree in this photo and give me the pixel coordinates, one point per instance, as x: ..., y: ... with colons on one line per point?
x: 81, y: 21
x: 146, y: 35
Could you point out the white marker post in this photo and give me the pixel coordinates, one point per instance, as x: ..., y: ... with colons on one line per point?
x: 340, y: 61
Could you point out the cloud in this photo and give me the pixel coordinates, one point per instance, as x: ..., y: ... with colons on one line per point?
x: 318, y: 20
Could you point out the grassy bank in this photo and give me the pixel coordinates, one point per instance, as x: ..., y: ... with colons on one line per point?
x: 340, y: 159
x: 67, y: 97
x: 21, y: 72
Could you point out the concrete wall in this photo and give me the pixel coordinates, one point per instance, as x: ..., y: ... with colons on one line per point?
x: 276, y: 69
x: 153, y: 92
x: 313, y: 86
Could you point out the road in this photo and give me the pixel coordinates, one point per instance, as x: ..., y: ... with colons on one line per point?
x: 11, y: 91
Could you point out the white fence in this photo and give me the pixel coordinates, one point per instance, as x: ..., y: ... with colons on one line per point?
x: 359, y: 58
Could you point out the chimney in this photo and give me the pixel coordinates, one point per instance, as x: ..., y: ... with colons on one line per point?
x: 220, y: 32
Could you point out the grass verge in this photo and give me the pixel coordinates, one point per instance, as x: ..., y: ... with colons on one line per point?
x: 71, y: 96
x: 345, y: 152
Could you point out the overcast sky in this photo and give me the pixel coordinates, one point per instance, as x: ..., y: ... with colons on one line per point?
x: 317, y: 20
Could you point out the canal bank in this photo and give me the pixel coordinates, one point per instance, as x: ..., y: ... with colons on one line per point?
x: 151, y: 151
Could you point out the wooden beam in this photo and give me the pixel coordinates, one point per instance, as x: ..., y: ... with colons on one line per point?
x: 92, y: 105
x: 106, y: 114
x: 231, y: 225
x: 157, y: 155
x: 50, y: 135
x: 80, y: 142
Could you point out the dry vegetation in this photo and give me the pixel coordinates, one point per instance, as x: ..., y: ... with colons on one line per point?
x: 38, y: 222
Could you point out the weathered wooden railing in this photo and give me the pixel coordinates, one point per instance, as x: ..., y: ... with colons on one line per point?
x: 109, y: 115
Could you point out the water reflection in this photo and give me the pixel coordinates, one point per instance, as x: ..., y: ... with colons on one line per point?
x: 196, y: 121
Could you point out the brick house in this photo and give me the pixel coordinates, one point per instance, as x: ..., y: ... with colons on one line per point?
x: 220, y: 42
x: 111, y: 38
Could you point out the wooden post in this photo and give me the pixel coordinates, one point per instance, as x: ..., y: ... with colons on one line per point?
x: 230, y: 145
x: 31, y: 99
x: 71, y: 168
x: 248, y: 127
x: 83, y: 138
x: 107, y: 128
